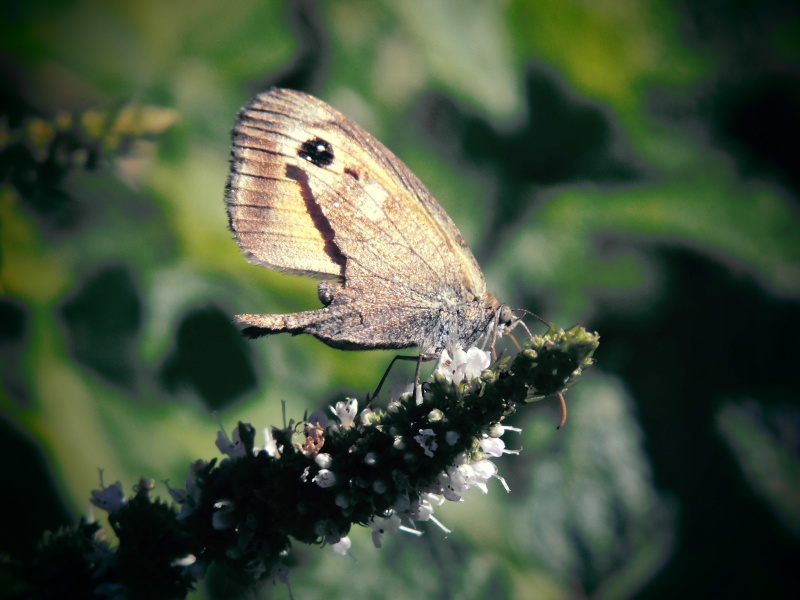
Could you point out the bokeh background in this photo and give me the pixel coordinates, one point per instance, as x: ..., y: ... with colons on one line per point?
x: 630, y: 166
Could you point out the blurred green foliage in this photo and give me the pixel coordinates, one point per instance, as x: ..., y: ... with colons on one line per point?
x: 627, y: 165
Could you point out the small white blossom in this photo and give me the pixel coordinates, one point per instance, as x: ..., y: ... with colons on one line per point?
x: 366, y: 417
x: 461, y: 477
x: 463, y: 366
x: 383, y: 526
x: 323, y: 460
x: 109, y: 498
x: 497, y: 430
x: 184, y: 561
x: 485, y: 469
x: 342, y: 547
x: 493, y: 446
x: 230, y: 446
x: 325, y: 478
x: 479, y: 473
x: 427, y: 439
x: 445, y: 365
x: 346, y: 411
x: 447, y: 488
x: 270, y: 445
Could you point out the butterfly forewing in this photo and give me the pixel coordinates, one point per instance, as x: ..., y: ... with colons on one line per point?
x: 382, y: 218
x: 274, y: 224
x: 311, y: 192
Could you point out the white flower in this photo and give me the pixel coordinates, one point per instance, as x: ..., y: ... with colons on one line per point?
x: 325, y: 478
x: 270, y: 445
x: 231, y: 446
x: 445, y: 486
x: 427, y: 439
x: 463, y: 366
x: 342, y: 547
x: 323, y: 460
x: 109, y: 498
x: 366, y: 417
x: 495, y: 447
x: 461, y: 477
x: 346, y: 411
x: 184, y: 561
x: 497, y: 430
x: 445, y: 365
x: 382, y: 526
x: 479, y: 473
x: 484, y: 470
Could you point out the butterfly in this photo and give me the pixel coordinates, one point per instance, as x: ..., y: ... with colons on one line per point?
x: 311, y: 192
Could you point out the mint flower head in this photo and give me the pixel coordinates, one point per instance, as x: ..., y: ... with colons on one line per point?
x: 311, y: 481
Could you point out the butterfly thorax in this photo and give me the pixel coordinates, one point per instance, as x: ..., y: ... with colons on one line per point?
x: 461, y: 325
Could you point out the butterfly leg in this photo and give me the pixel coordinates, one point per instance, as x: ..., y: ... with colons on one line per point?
x: 256, y: 326
x: 423, y: 357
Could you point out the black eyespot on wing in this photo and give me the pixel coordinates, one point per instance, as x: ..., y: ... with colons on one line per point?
x: 316, y: 151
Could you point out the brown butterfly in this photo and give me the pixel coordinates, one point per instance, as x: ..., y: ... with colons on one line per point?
x: 311, y: 192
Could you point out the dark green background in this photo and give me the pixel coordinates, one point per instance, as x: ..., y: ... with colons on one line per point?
x: 631, y: 166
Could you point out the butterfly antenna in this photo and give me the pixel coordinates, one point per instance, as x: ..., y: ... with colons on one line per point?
x: 534, y: 315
